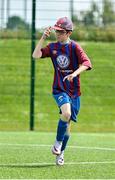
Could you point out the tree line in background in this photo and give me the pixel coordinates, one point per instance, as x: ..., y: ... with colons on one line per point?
x: 94, y: 17
x: 94, y: 24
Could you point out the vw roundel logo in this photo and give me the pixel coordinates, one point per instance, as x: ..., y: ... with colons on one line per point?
x: 63, y: 61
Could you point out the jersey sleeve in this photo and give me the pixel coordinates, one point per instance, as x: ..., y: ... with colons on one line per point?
x: 46, y: 51
x: 82, y: 57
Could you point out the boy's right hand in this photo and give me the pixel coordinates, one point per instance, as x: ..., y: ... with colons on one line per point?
x: 47, y: 32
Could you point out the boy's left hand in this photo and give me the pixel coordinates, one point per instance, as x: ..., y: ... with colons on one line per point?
x: 69, y: 77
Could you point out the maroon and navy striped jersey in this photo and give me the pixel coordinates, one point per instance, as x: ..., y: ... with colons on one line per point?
x: 66, y: 58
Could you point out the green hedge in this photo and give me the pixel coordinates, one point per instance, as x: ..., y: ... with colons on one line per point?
x: 106, y: 34
x: 81, y: 33
x: 17, y: 34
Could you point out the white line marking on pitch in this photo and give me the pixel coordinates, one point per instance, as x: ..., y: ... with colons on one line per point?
x: 46, y: 164
x: 48, y: 145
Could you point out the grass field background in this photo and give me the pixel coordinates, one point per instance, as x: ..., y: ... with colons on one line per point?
x: 25, y: 155
x: 97, y: 112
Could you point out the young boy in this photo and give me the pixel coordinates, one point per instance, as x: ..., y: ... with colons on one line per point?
x: 69, y: 60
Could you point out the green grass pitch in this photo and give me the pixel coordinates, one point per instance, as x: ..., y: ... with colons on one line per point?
x: 97, y: 112
x: 25, y: 155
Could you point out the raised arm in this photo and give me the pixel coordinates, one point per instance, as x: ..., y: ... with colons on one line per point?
x: 37, y: 52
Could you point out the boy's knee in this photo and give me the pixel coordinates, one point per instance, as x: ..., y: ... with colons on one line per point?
x: 66, y: 116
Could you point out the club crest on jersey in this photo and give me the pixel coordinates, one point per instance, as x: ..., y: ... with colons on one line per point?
x: 63, y: 61
x: 60, y: 98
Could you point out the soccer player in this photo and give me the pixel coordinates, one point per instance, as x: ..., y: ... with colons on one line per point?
x: 69, y: 61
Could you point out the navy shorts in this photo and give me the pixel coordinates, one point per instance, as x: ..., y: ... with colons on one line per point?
x: 63, y: 98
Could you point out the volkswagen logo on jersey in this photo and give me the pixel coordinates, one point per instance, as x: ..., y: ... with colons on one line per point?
x: 63, y: 61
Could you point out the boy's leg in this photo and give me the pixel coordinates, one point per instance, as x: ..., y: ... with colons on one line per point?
x: 64, y: 121
x: 60, y: 158
x: 63, y: 124
x: 66, y: 138
x: 75, y: 106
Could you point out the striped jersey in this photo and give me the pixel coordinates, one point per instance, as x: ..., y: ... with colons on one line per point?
x: 66, y: 58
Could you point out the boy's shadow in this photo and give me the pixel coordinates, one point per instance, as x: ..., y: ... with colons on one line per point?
x: 27, y: 166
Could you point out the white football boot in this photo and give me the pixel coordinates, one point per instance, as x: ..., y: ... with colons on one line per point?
x: 60, y: 159
x: 56, y: 149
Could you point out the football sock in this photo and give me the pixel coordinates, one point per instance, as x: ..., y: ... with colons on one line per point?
x: 58, y: 144
x: 61, y: 130
x: 65, y: 140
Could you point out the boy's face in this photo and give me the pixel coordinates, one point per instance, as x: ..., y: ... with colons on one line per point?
x: 62, y: 35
